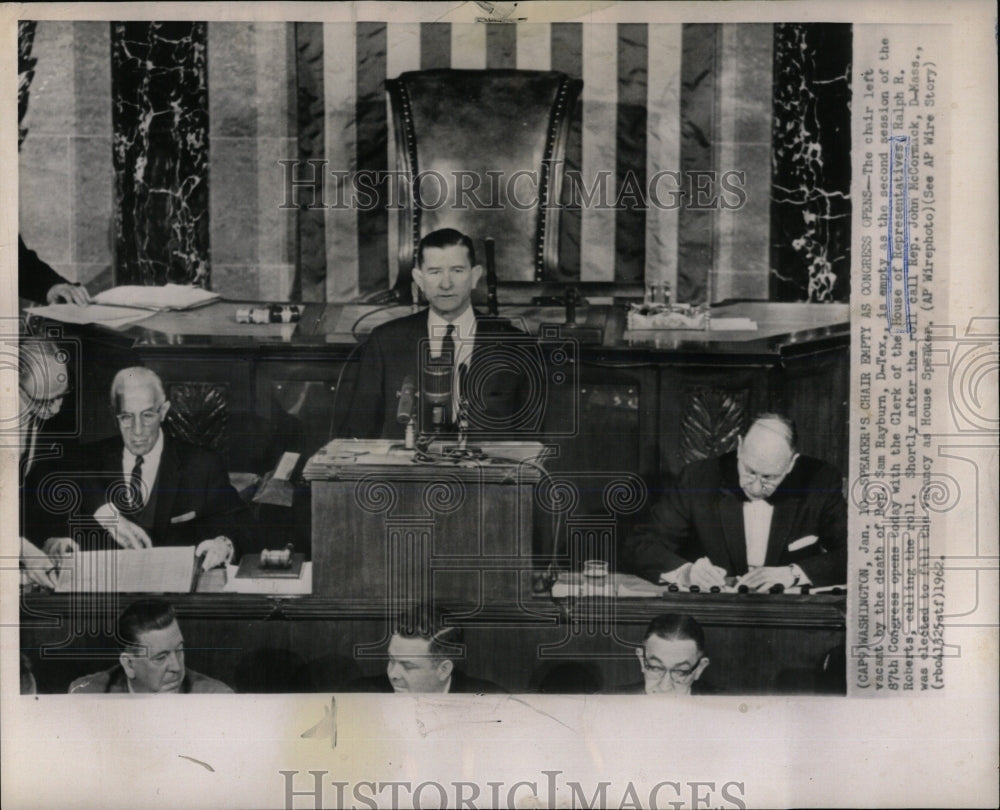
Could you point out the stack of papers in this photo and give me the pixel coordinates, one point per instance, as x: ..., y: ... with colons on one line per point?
x: 167, y: 569
x: 160, y: 299
x: 114, y: 317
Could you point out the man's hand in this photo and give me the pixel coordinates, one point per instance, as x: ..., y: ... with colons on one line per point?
x: 706, y: 575
x: 68, y: 294
x: 764, y: 577
x: 37, y: 569
x: 59, y: 548
x: 218, y: 551
x: 126, y: 533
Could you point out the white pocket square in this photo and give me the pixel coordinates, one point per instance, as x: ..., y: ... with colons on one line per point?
x: 184, y: 518
x: 803, y: 542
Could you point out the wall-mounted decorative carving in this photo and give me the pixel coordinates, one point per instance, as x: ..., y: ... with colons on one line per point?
x: 199, y: 412
x: 712, y: 422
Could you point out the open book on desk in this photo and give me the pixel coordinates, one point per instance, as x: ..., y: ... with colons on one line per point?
x: 170, y: 569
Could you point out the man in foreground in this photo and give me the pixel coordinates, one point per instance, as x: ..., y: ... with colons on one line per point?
x: 422, y: 655
x: 672, y: 658
x: 763, y: 514
x: 152, y: 660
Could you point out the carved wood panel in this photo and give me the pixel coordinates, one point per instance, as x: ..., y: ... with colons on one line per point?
x: 712, y: 421
x: 199, y: 412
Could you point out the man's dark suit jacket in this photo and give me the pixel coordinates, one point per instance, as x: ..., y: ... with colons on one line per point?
x: 194, y: 500
x: 34, y: 277
x: 461, y: 684
x: 392, y: 353
x: 703, y: 516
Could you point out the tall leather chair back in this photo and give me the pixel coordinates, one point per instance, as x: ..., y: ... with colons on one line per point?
x: 485, y: 151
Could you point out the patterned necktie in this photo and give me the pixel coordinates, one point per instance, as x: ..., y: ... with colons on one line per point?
x: 449, y: 356
x: 135, y: 484
x: 448, y: 345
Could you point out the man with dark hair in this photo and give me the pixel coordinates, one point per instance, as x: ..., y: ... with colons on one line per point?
x: 422, y: 654
x: 763, y: 513
x: 483, y: 357
x: 672, y: 657
x: 152, y: 660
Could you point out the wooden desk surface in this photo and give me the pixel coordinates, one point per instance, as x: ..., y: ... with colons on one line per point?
x: 781, y: 327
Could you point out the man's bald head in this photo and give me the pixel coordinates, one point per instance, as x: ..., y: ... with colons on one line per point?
x: 766, y: 455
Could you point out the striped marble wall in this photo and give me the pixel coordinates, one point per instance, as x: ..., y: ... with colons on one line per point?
x: 656, y: 98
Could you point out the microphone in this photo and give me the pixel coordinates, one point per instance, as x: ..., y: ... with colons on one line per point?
x: 436, y: 389
x: 492, y: 304
x: 407, y: 393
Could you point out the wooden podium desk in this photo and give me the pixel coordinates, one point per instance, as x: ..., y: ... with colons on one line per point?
x: 388, y: 529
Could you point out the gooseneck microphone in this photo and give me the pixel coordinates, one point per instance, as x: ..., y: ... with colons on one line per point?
x: 492, y: 305
x: 407, y: 401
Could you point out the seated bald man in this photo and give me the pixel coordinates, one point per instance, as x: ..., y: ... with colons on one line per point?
x: 148, y: 488
x: 763, y: 513
x: 43, y: 386
x: 152, y: 660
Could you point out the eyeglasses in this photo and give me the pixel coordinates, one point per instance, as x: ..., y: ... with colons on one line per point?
x: 680, y: 674
x: 767, y: 480
x: 45, y: 403
x: 147, y: 418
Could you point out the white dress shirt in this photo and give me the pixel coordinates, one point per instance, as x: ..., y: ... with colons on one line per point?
x: 756, y: 528
x: 150, y: 466
x: 757, y: 514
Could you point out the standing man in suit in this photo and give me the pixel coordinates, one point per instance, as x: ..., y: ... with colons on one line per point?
x: 487, y: 355
x: 764, y: 514
x: 146, y: 488
x: 422, y: 653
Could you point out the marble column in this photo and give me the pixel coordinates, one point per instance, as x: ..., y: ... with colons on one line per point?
x: 811, y: 164
x: 25, y: 70
x: 160, y: 134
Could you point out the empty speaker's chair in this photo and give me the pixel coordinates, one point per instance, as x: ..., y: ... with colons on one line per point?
x: 484, y: 151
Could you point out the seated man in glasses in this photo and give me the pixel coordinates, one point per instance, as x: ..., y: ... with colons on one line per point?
x: 762, y: 514
x: 147, y: 488
x: 672, y: 657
